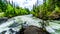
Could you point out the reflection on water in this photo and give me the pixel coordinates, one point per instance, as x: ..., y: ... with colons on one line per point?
x: 14, y: 24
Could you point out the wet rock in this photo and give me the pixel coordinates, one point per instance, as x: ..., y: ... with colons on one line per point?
x: 4, y: 19
x: 34, y: 30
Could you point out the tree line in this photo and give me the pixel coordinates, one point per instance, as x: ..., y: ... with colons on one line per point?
x: 50, y: 9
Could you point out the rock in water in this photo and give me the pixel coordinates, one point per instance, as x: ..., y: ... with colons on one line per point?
x: 4, y: 19
x: 34, y: 30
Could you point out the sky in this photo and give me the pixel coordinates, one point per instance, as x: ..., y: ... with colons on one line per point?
x: 26, y: 3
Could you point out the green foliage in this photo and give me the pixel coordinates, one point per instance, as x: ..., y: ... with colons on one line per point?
x: 11, y: 11
x: 42, y: 11
x: 2, y: 14
x: 48, y: 9
x: 3, y: 5
x: 0, y: 10
x: 15, y: 11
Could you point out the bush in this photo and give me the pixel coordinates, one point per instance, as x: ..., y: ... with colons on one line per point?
x: 15, y: 11
x: 2, y: 14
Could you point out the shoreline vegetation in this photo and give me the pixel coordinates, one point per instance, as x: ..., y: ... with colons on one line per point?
x: 46, y: 11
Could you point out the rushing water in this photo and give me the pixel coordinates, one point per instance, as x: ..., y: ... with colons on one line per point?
x: 13, y: 25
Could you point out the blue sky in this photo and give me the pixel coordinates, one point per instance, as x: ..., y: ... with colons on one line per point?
x: 26, y: 3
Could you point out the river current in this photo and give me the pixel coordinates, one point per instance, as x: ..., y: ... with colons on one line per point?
x: 13, y: 25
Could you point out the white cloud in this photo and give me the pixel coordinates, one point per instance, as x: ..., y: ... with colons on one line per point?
x: 26, y: 3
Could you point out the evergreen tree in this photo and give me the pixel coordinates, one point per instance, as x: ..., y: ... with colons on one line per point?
x: 3, y: 5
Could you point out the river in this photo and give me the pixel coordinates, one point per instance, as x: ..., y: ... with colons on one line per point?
x: 13, y: 25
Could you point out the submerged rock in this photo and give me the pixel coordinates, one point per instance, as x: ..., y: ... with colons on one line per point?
x: 4, y: 19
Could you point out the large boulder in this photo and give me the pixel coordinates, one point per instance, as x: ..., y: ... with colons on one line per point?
x: 34, y: 30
